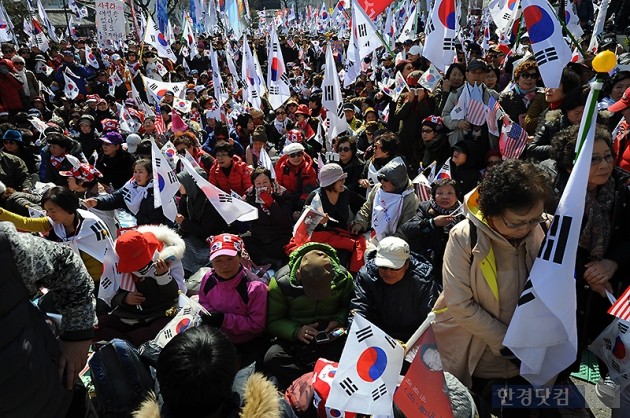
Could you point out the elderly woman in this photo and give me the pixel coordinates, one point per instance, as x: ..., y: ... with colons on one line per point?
x: 352, y: 165
x: 427, y: 232
x: 273, y: 228
x: 523, y: 93
x: 604, y: 243
x: 486, y: 265
x: 229, y: 172
x: 614, y: 88
x: 453, y: 79
x: 296, y: 173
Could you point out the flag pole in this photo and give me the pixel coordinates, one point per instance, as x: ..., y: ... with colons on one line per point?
x: 573, y: 40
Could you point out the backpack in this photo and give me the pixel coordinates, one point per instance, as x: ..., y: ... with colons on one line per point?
x: 121, y: 380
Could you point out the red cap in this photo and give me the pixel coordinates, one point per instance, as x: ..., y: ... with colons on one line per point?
x: 84, y: 171
x: 303, y: 110
x: 225, y: 244
x: 135, y: 250
x: 622, y: 103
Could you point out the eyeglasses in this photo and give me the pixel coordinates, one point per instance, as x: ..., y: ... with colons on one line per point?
x: 597, y: 159
x: 533, y: 222
x: 296, y: 154
x: 530, y: 75
x: 427, y: 131
x: 344, y: 149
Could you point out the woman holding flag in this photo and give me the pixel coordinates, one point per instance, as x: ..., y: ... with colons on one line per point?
x: 486, y: 264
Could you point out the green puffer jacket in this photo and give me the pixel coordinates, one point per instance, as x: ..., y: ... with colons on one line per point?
x: 288, y: 308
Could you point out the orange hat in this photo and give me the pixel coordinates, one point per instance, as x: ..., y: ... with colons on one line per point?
x: 135, y: 250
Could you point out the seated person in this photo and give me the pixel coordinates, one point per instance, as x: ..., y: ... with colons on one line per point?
x: 395, y: 290
x: 237, y: 302
x: 309, y: 295
x: 274, y: 227
x: 205, y: 359
x: 296, y: 173
x: 152, y: 255
x: 427, y: 232
x: 229, y: 172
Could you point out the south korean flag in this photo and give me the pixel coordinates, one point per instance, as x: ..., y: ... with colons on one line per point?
x: 368, y: 371
x: 545, y: 33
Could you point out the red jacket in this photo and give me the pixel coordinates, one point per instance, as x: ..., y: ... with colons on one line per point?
x: 10, y: 88
x: 239, y: 179
x: 287, y: 175
x: 621, y: 146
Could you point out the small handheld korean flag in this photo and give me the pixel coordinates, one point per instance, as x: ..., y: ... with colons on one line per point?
x: 368, y: 371
x: 543, y: 332
x: 430, y: 78
x: 545, y: 33
x: 165, y: 183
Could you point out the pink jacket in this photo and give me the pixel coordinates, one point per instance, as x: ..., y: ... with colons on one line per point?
x: 243, y: 303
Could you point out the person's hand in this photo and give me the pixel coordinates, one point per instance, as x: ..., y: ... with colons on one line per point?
x: 446, y: 85
x: 307, y: 333
x: 365, y: 183
x: 332, y: 325
x: 463, y: 124
x: 324, y: 220
x: 266, y: 197
x: 161, y: 267
x: 355, y: 229
x: 420, y: 93
x: 598, y: 274
x: 443, y: 220
x: 134, y: 298
x: 179, y: 218
x: 90, y: 203
x: 72, y: 359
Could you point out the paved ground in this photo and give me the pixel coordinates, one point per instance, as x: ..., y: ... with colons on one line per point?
x: 598, y: 409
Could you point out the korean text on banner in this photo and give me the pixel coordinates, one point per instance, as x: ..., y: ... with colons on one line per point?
x: 110, y: 22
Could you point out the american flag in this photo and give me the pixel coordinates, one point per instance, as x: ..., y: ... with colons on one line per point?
x: 477, y: 112
x: 621, y: 308
x: 160, y: 127
x: 512, y: 141
x: 495, y: 112
x: 422, y: 187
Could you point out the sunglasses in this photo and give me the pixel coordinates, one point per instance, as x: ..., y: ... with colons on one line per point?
x: 344, y: 149
x: 281, y: 113
x: 296, y: 154
x: 427, y: 131
x: 383, y: 179
x: 530, y: 75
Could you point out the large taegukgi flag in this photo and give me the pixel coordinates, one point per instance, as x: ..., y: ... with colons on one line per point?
x: 545, y: 33
x: 374, y: 7
x: 441, y: 30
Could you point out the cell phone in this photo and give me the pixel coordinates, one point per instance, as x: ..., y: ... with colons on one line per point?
x: 322, y: 337
x: 170, y: 259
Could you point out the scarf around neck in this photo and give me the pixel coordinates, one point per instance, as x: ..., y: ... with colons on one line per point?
x: 595, y: 235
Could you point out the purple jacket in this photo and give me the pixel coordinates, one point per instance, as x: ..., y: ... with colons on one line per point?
x: 243, y: 303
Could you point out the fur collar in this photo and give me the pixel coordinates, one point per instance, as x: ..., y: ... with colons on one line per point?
x: 173, y: 243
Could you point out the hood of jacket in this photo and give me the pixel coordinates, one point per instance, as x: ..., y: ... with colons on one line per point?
x: 295, y: 259
x: 260, y: 400
x: 173, y: 244
x: 396, y: 172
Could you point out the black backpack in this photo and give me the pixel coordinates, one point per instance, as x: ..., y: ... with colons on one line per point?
x: 121, y: 380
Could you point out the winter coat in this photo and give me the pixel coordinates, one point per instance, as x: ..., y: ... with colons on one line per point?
x: 258, y: 398
x: 83, y: 75
x: 410, y: 115
x: 340, y: 211
x: 540, y: 147
x: 89, y: 143
x: 481, y: 292
x: 13, y: 172
x: 49, y: 174
x: 116, y: 170
x: 621, y: 147
x: 299, y: 180
x: 201, y: 219
x: 277, y: 225
x: 438, y: 150
x: 397, y: 309
x: 160, y: 292
x: 31, y: 386
x: 11, y: 93
x: 241, y: 300
x: 457, y: 134
x: 396, y: 171
x: 354, y: 170
x: 237, y: 179
x: 289, y: 308
x: 147, y: 214
x: 512, y: 103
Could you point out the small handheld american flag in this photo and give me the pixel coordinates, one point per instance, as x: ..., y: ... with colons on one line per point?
x: 512, y: 141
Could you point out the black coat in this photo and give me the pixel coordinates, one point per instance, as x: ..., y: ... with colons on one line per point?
x: 116, y: 170
x: 397, y: 309
x: 275, y: 226
x: 354, y: 170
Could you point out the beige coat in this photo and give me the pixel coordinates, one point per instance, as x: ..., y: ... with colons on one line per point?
x: 479, y: 298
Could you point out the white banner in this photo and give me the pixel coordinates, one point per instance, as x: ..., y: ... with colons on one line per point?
x: 110, y: 23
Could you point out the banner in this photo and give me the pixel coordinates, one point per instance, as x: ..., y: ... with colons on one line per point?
x: 110, y: 23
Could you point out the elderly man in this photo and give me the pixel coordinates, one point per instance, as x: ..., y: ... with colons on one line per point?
x: 395, y: 290
x: 307, y: 311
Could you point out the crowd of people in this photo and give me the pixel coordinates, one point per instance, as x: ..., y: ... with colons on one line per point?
x: 72, y: 175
